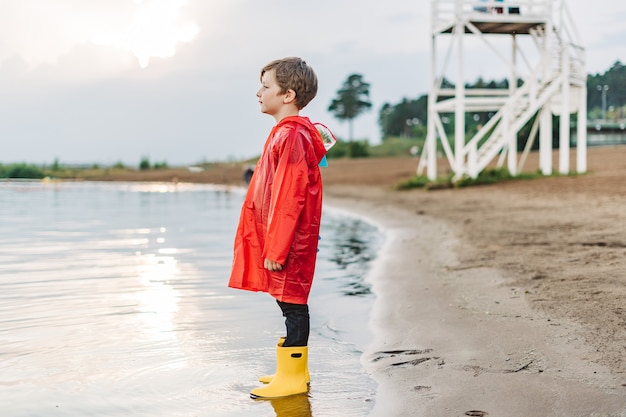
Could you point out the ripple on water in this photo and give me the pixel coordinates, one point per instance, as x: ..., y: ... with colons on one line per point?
x: 113, y: 303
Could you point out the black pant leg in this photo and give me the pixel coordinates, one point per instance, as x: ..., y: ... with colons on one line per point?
x: 297, y: 323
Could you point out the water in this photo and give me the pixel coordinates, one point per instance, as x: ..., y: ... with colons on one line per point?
x: 113, y: 302
x: 602, y: 138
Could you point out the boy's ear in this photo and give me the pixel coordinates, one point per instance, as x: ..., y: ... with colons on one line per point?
x: 289, y: 97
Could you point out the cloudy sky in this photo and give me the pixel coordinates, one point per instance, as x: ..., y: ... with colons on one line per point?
x: 90, y: 81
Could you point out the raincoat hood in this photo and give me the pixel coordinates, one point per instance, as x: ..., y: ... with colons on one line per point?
x: 316, y: 137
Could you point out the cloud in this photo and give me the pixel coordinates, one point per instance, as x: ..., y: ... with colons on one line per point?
x: 40, y: 32
x: 154, y: 31
x: 65, y: 96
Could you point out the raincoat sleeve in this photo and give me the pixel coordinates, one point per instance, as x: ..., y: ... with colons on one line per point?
x: 287, y: 198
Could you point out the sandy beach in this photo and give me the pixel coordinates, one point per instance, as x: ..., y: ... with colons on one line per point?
x: 500, y: 300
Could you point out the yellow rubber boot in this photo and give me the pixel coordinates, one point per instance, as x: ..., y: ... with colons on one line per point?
x: 290, y: 377
x: 266, y: 379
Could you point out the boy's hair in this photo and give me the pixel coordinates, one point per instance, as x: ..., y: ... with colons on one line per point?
x: 293, y: 73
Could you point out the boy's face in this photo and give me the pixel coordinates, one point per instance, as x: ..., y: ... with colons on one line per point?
x: 269, y: 94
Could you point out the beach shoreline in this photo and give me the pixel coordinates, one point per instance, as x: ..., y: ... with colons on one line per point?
x: 499, y: 300
x: 450, y: 340
x: 504, y: 299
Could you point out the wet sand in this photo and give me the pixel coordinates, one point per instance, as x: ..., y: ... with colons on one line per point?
x: 501, y: 300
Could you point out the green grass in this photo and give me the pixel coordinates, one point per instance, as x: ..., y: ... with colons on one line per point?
x: 489, y: 176
x: 395, y: 146
x: 22, y: 170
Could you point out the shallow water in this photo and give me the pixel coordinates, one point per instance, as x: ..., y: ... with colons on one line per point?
x: 113, y: 302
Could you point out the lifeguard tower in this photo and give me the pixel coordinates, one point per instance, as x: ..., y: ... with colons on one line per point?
x: 554, y: 84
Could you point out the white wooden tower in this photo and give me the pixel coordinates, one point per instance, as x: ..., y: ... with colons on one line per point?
x: 554, y: 84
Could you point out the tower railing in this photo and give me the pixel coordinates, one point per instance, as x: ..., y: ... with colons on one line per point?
x: 556, y: 84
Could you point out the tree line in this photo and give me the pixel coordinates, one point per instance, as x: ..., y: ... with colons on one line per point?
x: 606, y: 95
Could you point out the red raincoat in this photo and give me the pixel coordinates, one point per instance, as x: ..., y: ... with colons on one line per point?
x: 280, y: 216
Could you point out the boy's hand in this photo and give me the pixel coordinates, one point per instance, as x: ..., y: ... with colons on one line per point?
x: 272, y: 266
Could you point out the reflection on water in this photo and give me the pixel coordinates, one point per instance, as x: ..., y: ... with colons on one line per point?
x: 113, y: 302
x: 353, y: 247
x: 294, y: 406
x: 158, y: 300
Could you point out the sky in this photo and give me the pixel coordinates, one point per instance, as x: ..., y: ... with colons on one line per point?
x: 94, y: 82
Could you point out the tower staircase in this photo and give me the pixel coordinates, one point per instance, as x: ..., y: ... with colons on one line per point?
x: 555, y: 84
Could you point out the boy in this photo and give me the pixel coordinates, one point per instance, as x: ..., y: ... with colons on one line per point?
x: 277, y: 237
